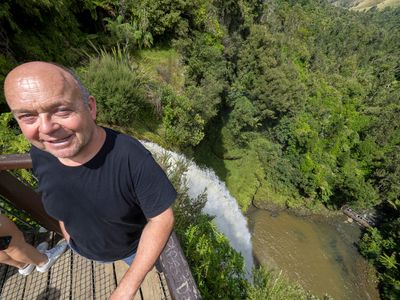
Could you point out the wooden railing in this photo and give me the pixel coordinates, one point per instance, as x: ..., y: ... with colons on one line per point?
x: 172, y: 261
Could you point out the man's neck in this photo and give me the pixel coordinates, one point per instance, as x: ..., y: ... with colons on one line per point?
x: 90, y: 150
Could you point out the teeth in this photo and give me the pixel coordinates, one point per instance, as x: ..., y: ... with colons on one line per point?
x: 58, y: 141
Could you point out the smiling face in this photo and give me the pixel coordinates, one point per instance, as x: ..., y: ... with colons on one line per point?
x: 48, y: 106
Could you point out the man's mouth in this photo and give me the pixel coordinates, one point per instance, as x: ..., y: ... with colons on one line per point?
x: 58, y: 141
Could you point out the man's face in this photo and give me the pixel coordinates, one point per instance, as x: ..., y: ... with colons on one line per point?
x: 50, y: 111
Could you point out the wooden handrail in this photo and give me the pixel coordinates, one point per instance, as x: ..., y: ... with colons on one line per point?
x: 20, y: 194
x: 180, y: 281
x: 27, y: 199
x: 15, y: 161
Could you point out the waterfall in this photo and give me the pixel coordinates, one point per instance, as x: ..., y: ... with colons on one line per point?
x: 220, y: 204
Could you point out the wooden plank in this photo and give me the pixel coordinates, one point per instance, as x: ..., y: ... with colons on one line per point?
x: 104, y: 283
x: 138, y: 295
x: 164, y: 285
x: 14, y: 285
x: 120, y: 269
x: 82, y: 278
x: 3, y: 272
x: 36, y: 283
x: 36, y: 286
x: 60, y: 278
x: 151, y: 286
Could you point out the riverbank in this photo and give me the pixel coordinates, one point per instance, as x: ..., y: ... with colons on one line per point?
x: 316, y: 251
x: 299, y: 211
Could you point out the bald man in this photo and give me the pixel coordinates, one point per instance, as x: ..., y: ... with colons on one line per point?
x: 112, y: 199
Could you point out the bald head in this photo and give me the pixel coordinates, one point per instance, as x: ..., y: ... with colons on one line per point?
x: 41, y: 79
x: 46, y: 101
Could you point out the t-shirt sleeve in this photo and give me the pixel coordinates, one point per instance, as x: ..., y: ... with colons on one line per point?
x: 153, y: 189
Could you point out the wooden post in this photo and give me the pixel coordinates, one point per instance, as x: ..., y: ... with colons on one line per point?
x: 177, y: 272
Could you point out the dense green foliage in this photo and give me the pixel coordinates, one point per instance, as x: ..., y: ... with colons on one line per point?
x: 294, y: 102
x: 119, y: 86
x: 12, y: 141
x: 320, y: 86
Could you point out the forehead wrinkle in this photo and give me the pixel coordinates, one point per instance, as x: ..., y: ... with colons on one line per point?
x: 39, y: 107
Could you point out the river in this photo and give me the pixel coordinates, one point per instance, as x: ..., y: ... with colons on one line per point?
x: 316, y: 252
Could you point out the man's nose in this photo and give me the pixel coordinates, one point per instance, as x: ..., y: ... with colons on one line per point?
x: 47, y: 125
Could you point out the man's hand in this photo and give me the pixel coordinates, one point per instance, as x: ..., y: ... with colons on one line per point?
x: 120, y: 294
x: 154, y: 237
x: 64, y: 231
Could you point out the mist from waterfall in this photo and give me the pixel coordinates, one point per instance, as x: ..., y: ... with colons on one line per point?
x: 220, y: 204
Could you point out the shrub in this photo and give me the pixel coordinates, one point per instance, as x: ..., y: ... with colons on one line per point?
x: 269, y: 285
x: 12, y: 141
x: 119, y: 88
x: 182, y: 123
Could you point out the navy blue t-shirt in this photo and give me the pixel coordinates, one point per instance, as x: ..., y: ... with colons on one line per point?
x: 104, y: 203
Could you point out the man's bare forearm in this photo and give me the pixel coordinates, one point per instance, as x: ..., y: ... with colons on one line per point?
x: 153, y: 239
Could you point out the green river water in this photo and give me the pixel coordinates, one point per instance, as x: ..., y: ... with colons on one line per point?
x: 317, y: 252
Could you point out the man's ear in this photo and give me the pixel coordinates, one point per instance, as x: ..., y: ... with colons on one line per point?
x: 92, y: 107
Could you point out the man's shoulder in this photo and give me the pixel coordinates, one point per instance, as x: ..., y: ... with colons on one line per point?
x: 125, y: 144
x: 42, y: 161
x: 37, y: 153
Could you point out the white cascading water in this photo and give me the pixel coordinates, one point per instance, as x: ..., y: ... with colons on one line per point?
x: 220, y: 204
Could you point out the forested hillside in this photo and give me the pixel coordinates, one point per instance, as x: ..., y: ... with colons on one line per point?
x: 315, y: 101
x: 291, y: 102
x: 362, y: 5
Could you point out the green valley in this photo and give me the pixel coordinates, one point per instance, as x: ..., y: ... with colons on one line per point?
x: 294, y: 104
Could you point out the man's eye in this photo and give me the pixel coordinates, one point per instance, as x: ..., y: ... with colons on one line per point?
x: 28, y: 118
x: 63, y: 112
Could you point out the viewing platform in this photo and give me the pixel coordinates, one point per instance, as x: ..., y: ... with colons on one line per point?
x: 363, y: 221
x: 73, y: 277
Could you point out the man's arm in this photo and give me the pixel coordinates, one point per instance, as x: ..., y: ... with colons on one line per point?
x: 64, y: 231
x: 154, y: 237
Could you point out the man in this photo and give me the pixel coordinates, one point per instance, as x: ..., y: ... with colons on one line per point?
x: 112, y: 200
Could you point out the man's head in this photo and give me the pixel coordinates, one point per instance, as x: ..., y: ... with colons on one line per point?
x: 52, y: 109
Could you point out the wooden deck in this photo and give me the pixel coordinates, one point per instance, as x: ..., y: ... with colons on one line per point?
x: 74, y: 277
